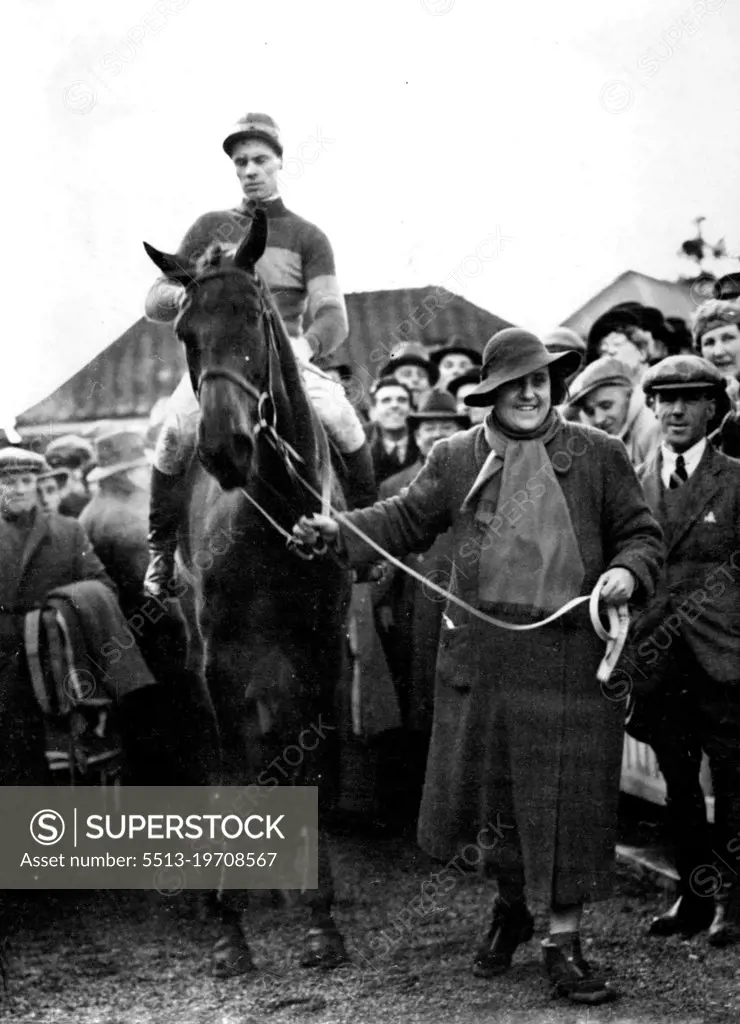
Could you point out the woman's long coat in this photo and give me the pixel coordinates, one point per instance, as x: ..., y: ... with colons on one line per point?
x: 522, y: 731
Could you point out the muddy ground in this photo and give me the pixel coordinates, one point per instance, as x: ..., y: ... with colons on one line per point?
x: 137, y: 957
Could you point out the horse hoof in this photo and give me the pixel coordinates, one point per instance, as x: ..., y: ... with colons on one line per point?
x: 231, y: 957
x: 324, y: 948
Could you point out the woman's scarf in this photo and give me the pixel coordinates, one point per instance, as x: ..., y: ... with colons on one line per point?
x: 529, y: 552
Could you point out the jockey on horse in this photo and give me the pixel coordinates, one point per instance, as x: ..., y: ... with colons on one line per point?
x: 298, y: 267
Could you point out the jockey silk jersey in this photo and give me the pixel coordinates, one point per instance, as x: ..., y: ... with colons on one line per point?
x: 297, y: 266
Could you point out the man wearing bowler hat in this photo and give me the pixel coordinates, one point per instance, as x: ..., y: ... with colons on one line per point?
x: 540, y: 511
x: 686, y: 646
x: 462, y: 386
x: 298, y: 267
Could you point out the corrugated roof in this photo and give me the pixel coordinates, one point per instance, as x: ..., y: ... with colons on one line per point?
x: 147, y: 361
x: 123, y: 381
x: 381, y: 321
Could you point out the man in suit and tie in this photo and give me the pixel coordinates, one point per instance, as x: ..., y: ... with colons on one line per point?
x: 687, y: 646
x: 392, y: 444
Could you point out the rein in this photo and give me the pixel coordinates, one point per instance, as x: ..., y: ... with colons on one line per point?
x: 614, y: 638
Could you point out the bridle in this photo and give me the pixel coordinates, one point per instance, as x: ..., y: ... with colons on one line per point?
x: 267, y: 425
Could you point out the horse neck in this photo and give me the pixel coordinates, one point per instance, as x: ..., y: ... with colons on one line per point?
x: 295, y: 417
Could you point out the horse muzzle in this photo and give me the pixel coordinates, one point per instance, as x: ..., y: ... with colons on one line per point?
x: 229, y: 461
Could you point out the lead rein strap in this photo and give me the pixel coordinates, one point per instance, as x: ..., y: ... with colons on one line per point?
x: 614, y: 638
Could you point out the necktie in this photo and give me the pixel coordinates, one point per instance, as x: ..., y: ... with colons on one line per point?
x: 679, y: 475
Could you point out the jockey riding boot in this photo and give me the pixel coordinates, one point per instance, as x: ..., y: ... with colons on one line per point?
x: 164, y: 519
x: 359, y: 477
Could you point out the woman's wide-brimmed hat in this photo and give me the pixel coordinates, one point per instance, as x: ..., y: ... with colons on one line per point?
x: 513, y: 353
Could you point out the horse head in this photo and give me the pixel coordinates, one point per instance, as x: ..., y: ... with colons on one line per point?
x: 232, y: 336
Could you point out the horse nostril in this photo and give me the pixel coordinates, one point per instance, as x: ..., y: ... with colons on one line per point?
x: 243, y: 446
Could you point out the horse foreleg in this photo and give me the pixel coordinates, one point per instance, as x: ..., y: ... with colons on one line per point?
x: 324, y: 946
x: 230, y: 955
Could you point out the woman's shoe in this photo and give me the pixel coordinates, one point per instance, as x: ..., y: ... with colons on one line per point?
x: 573, y: 977
x: 511, y: 925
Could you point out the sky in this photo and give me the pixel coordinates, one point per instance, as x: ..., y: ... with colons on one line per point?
x: 522, y: 155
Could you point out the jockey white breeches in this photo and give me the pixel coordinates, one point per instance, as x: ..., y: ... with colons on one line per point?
x: 177, y: 437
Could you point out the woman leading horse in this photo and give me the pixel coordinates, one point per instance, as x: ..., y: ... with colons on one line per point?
x: 526, y: 750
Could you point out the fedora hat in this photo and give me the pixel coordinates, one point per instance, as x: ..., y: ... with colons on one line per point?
x: 469, y: 377
x: 513, y: 353
x: 438, y: 405
x: 456, y: 346
x: 412, y: 353
x: 117, y: 451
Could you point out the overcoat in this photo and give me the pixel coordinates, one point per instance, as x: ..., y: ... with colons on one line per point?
x: 169, y: 729
x: 417, y: 616
x: 55, y: 552
x: 522, y: 731
x: 698, y: 592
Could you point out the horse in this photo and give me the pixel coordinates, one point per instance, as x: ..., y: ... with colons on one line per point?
x: 271, y: 617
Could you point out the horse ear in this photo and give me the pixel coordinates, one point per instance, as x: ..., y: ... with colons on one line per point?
x: 169, y: 265
x: 253, y: 245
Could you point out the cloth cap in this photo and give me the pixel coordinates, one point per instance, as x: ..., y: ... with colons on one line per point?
x: 254, y: 126
x: 18, y: 460
x: 412, y: 353
x: 683, y: 372
x: 438, y: 405
x: 603, y: 372
x: 117, y: 451
x: 456, y: 346
x: 469, y: 377
x: 70, y: 451
x: 513, y: 353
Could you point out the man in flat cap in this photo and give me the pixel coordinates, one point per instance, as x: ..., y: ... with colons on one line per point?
x: 38, y: 552
x: 605, y: 397
x: 686, y: 663
x: 298, y: 267
x: 75, y: 455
